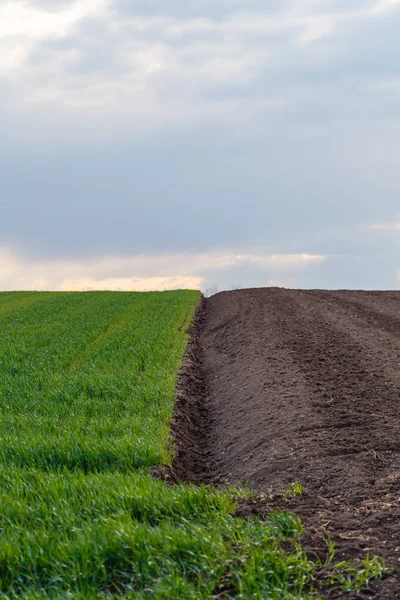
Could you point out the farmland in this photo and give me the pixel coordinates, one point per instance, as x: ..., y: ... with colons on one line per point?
x: 87, y: 385
x: 303, y: 385
x: 71, y: 366
x: 87, y: 391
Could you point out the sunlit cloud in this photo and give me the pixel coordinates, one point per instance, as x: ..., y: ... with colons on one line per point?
x: 383, y: 226
x: 22, y: 18
x: 385, y: 6
x: 133, y: 284
x: 138, y: 273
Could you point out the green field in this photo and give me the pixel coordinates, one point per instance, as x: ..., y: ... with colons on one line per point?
x: 87, y: 380
x: 87, y: 386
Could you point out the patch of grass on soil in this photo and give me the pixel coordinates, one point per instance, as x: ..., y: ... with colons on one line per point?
x: 87, y: 388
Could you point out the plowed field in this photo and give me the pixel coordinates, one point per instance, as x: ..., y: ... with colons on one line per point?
x: 305, y: 386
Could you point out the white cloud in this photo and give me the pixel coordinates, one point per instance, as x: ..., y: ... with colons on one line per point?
x: 130, y: 274
x: 385, y: 6
x: 383, y: 226
x: 20, y: 18
x: 140, y: 74
x: 139, y: 273
x: 22, y: 26
x: 216, y: 260
x: 132, y: 284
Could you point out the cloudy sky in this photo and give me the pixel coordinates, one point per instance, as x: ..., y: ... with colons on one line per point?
x: 156, y: 144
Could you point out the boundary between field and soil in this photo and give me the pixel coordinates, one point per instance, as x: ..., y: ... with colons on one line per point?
x: 189, y: 419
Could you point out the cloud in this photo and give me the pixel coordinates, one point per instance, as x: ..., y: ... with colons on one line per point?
x: 383, y: 227
x: 241, y: 135
x: 139, y: 273
x: 385, y: 6
x: 22, y: 26
x: 132, y: 284
x: 139, y: 68
x: 20, y: 18
x: 278, y: 261
x: 129, y: 274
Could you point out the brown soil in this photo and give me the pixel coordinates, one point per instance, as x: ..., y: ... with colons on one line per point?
x: 288, y: 385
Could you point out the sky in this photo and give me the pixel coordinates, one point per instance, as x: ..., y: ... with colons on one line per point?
x: 213, y: 144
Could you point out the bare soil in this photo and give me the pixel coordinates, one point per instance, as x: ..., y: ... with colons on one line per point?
x: 289, y: 385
